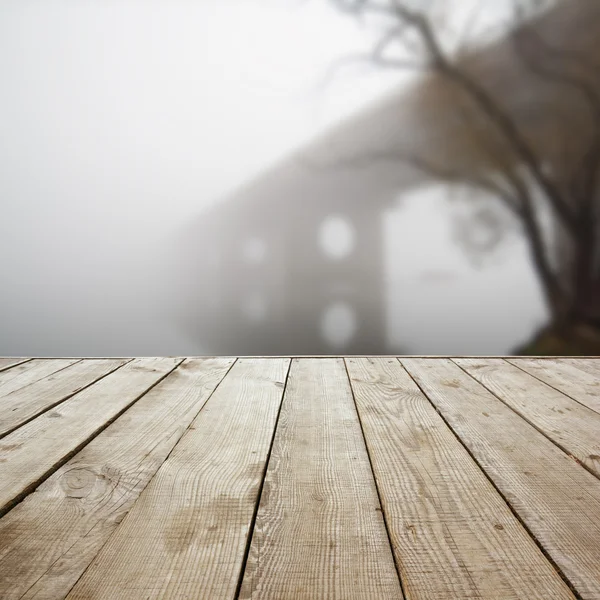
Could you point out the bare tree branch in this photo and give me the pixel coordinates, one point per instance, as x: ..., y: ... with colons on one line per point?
x: 368, y: 60
x: 397, y: 34
x: 574, y: 200
x: 527, y: 41
x: 584, y: 178
x: 504, y: 123
x: 366, y: 159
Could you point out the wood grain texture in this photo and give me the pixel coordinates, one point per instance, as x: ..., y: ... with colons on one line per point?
x: 319, y: 530
x: 557, y: 499
x: 572, y: 381
x: 186, y: 535
x: 32, y: 452
x: 83, y: 502
x: 574, y: 427
x: 24, y: 404
x: 589, y: 365
x: 453, y: 534
x: 426, y: 356
x: 7, y: 363
x: 20, y: 376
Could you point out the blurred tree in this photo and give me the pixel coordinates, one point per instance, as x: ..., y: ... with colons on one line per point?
x: 525, y: 106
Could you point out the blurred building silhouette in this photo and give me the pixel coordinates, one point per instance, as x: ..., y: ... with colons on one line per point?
x: 292, y: 263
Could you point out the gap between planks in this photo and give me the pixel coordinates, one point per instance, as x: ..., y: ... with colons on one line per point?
x: 576, y: 383
x: 453, y: 537
x: 23, y: 375
x: 292, y: 356
x: 24, y: 404
x: 319, y: 531
x: 7, y: 363
x: 571, y: 426
x: 31, y: 453
x: 534, y: 476
x: 187, y: 533
x: 103, y: 480
x: 275, y: 430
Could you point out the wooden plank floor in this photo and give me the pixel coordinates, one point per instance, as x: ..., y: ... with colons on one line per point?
x: 300, y: 478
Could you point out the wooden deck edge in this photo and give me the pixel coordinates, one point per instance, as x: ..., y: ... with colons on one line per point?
x: 20, y: 360
x: 291, y: 356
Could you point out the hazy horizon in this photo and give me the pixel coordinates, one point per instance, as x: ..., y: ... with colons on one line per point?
x: 122, y: 121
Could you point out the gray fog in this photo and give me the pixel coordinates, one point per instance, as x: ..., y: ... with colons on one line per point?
x: 123, y: 122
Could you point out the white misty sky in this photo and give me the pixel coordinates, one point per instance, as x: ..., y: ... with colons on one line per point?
x: 120, y: 119
x: 168, y: 103
x: 161, y: 106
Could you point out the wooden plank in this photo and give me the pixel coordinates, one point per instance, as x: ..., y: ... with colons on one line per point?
x: 319, y: 530
x: 84, y: 500
x: 25, y: 374
x: 186, y: 535
x: 426, y: 356
x: 24, y: 404
x: 290, y: 356
x: 453, y: 535
x: 572, y: 426
x: 557, y: 499
x: 589, y: 365
x: 29, y: 454
x: 7, y: 363
x: 575, y: 383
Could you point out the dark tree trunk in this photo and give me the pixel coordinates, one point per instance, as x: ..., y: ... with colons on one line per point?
x: 587, y: 306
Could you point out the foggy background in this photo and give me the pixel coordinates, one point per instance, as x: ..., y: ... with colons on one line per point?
x: 120, y: 122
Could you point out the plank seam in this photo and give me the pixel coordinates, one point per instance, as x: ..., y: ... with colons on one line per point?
x: 510, y: 507
x: 292, y: 356
x: 555, y: 442
x: 426, y: 356
x: 14, y: 364
x: 68, y: 397
x: 238, y: 588
x: 510, y: 362
x: 381, y: 506
x: 161, y: 464
x: 42, y: 377
x: 69, y: 455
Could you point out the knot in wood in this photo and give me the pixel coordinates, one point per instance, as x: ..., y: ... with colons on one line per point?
x: 78, y: 482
